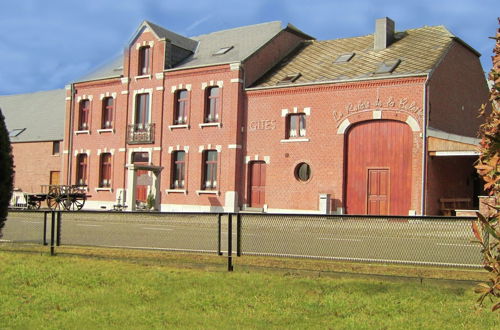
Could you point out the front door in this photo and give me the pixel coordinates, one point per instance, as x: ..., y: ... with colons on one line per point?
x: 378, y: 191
x: 141, y: 187
x: 257, y: 184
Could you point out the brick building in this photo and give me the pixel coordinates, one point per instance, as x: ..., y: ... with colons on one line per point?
x: 35, y: 123
x: 269, y: 119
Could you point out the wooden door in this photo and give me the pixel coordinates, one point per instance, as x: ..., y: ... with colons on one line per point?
x: 257, y: 184
x: 54, y: 177
x: 141, y: 189
x: 378, y: 191
x: 380, y: 144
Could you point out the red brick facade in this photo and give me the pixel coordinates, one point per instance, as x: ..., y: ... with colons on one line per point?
x: 252, y: 127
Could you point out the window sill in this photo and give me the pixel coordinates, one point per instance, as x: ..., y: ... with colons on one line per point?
x: 294, y: 140
x: 218, y: 124
x: 105, y: 130
x: 104, y: 189
x: 82, y: 132
x: 178, y: 191
x: 146, y: 76
x: 208, y: 192
x: 56, y: 155
x: 171, y: 127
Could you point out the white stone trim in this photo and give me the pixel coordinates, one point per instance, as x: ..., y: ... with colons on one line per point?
x: 125, y: 80
x: 104, y: 189
x: 377, y: 114
x: 284, y: 112
x: 156, y: 148
x: 159, y: 75
x: 144, y: 76
x: 124, y: 92
x: 82, y: 132
x: 107, y: 94
x: 218, y: 148
x: 68, y: 98
x: 294, y: 140
x: 122, y: 149
x: 234, y: 146
x: 343, y: 126
x: 85, y: 97
x: 267, y: 159
x: 307, y: 111
x: 218, y: 83
x: 65, y: 151
x: 218, y: 124
x: 173, y: 191
x: 235, y: 66
x: 159, y: 88
x: 105, y: 130
x: 413, y: 124
x: 237, y: 80
x: 455, y: 153
x: 171, y: 127
x: 208, y: 192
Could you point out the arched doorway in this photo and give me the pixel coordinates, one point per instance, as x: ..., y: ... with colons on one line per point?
x: 378, y: 168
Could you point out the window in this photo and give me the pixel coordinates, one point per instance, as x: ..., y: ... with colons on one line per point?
x: 15, y: 132
x: 107, y: 113
x: 209, y: 170
x: 144, y: 60
x: 296, y: 125
x: 56, y: 146
x: 181, y: 106
x: 141, y: 110
x: 140, y: 158
x: 288, y: 79
x: 83, y: 121
x: 387, y: 67
x: 81, y: 169
x: 178, y: 170
x: 212, y: 105
x: 303, y: 172
x: 105, y: 171
x: 344, y: 58
x: 223, y: 50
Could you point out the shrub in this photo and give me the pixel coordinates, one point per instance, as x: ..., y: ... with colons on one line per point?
x: 6, y: 171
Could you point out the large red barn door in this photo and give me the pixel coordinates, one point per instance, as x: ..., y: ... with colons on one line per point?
x: 378, y: 169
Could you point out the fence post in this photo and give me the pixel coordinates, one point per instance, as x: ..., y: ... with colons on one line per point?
x: 230, y: 243
x: 45, y: 228
x: 58, y: 237
x: 219, y: 237
x: 238, y: 235
x: 52, y: 230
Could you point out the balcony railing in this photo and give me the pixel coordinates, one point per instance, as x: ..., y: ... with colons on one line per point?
x: 140, y: 133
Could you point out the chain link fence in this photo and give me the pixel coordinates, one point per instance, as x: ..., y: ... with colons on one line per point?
x: 446, y: 241
x: 441, y: 241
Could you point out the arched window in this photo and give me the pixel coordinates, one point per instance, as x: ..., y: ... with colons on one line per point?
x: 212, y: 105
x: 181, y: 107
x: 81, y: 169
x: 144, y: 60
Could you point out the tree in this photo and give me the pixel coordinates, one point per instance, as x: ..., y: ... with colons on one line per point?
x: 6, y: 171
x: 487, y: 228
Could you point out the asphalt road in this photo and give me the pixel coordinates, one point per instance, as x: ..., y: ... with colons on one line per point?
x: 414, y: 241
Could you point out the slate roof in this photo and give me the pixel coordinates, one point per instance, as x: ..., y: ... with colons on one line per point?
x: 41, y: 114
x: 418, y: 50
x: 245, y: 41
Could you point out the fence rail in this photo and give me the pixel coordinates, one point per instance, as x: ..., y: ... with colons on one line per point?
x: 439, y: 241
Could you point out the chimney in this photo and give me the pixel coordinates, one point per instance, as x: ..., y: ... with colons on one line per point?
x: 384, y: 33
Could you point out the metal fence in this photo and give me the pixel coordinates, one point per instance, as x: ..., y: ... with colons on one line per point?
x: 440, y: 241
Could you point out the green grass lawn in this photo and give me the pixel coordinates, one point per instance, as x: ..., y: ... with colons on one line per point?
x: 86, y: 292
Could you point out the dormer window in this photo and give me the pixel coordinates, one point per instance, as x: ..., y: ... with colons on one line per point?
x: 15, y: 132
x: 344, y: 58
x: 223, y: 50
x: 144, y: 60
x: 289, y: 79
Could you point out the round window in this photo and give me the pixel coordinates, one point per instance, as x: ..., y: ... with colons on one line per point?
x: 303, y: 172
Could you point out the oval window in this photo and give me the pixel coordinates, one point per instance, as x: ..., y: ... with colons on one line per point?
x: 303, y: 172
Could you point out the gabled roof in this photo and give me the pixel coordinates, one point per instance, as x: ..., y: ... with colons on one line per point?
x: 244, y: 40
x: 40, y: 114
x: 175, y: 39
x: 416, y: 51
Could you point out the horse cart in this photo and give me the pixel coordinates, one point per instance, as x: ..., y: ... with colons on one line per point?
x: 58, y: 197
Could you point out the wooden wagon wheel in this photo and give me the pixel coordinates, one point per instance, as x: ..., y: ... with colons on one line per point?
x: 75, y: 199
x: 54, y: 198
x: 34, y: 204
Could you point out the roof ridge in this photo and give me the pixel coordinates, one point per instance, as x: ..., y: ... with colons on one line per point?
x: 239, y: 28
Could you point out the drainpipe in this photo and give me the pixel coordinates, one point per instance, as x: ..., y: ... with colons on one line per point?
x: 424, y: 143
x: 70, y: 133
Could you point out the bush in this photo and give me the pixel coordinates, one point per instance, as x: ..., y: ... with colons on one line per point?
x: 6, y: 171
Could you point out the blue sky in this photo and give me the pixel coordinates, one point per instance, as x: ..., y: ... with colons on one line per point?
x: 46, y: 44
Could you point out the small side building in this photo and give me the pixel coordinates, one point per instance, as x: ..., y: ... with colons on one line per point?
x: 35, y: 123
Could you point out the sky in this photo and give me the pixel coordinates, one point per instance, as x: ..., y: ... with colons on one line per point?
x: 47, y: 44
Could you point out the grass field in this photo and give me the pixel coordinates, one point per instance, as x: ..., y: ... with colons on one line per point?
x: 93, y: 289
